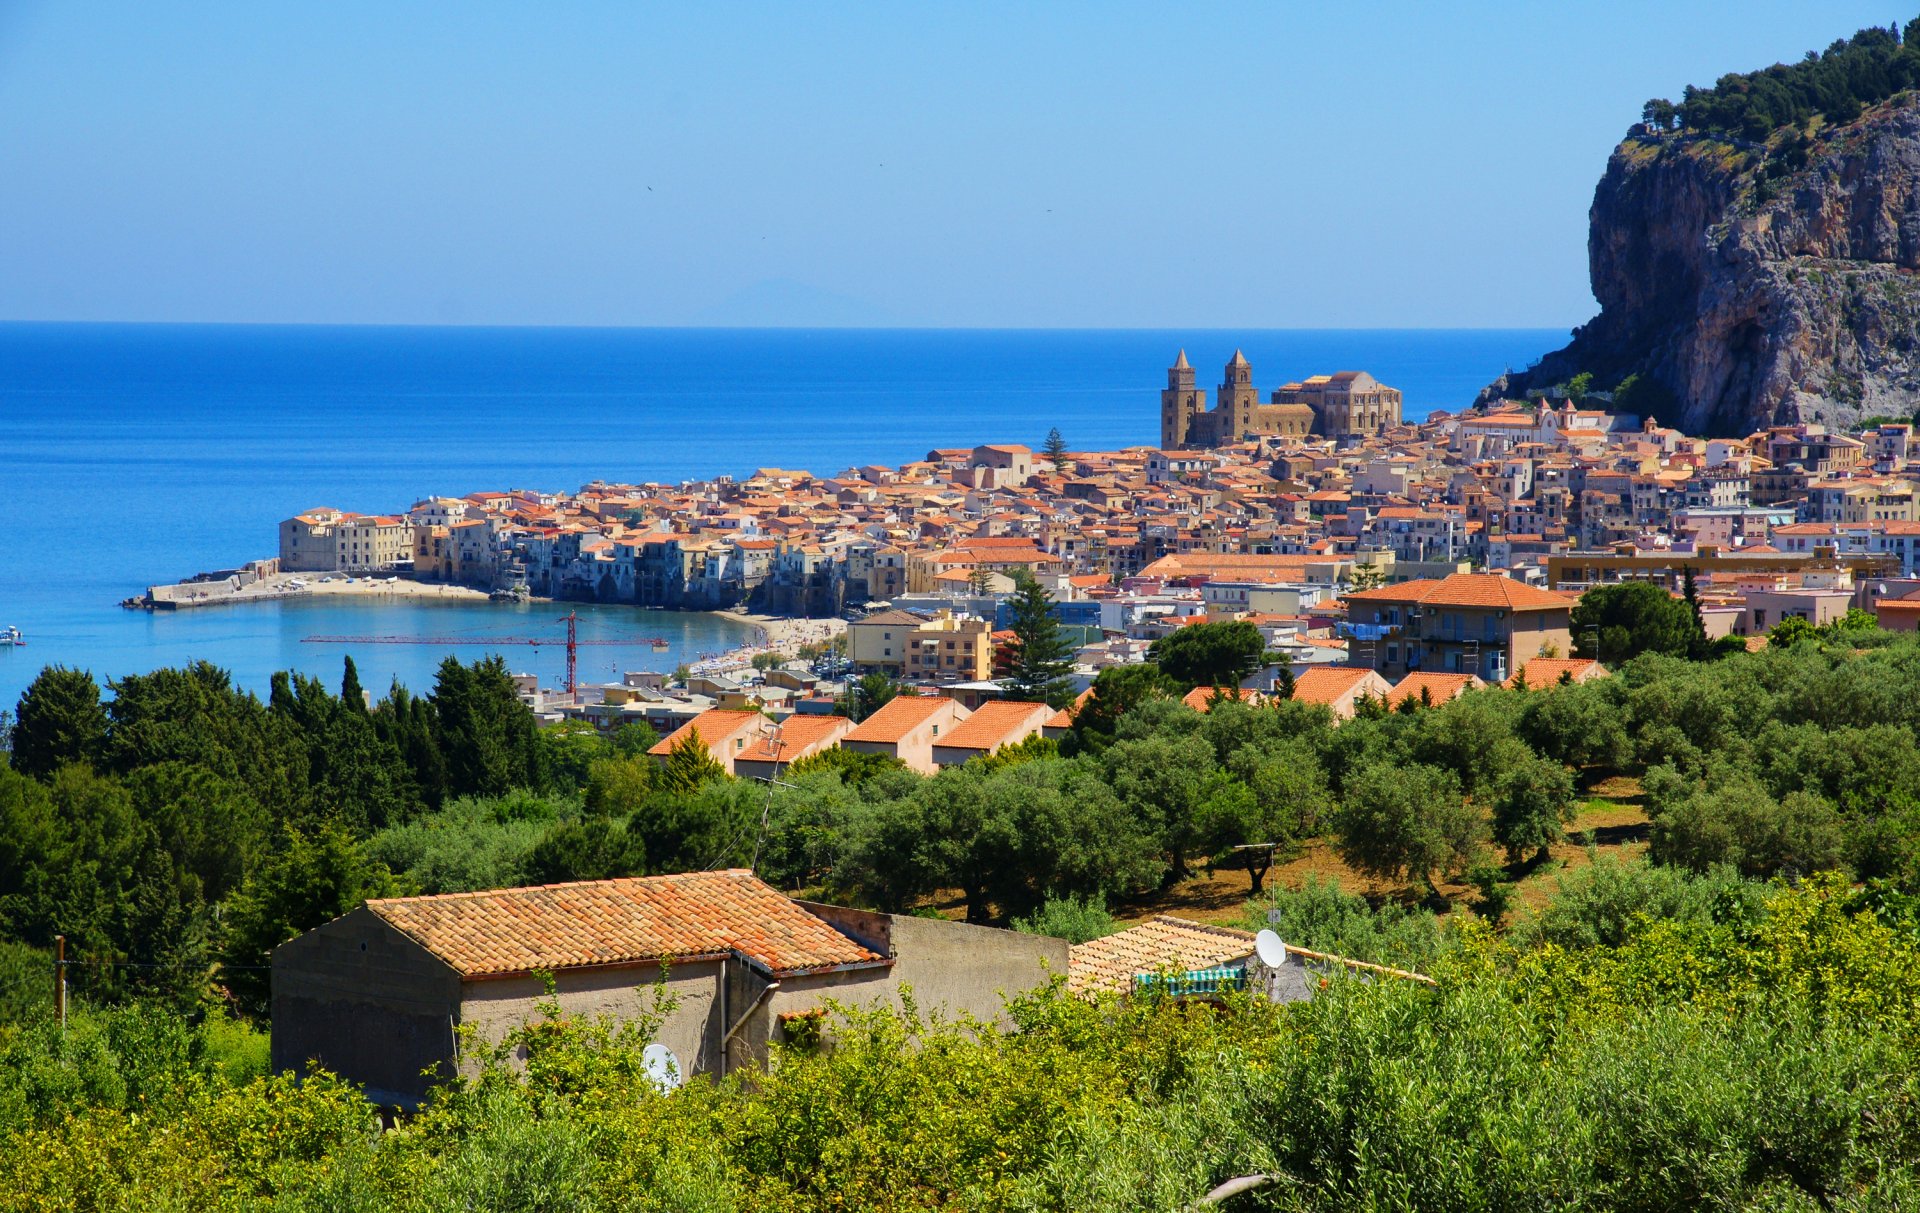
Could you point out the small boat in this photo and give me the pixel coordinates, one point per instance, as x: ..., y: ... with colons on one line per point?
x: 12, y: 636
x: 660, y: 646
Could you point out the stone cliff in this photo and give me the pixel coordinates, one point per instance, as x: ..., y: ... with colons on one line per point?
x: 1749, y: 284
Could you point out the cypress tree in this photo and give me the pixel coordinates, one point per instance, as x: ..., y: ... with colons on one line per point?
x: 1697, y: 645
x: 350, y: 692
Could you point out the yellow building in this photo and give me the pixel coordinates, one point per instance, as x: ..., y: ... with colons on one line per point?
x: 943, y: 648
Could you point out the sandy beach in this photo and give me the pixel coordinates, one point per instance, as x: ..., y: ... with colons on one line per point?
x: 786, y: 635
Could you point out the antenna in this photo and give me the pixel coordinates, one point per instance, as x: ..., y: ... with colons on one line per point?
x: 662, y: 1067
x: 1271, y: 950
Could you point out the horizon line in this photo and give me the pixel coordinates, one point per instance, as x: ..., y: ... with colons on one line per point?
x: 10, y: 322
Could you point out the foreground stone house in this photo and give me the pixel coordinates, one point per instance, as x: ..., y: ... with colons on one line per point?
x: 380, y: 994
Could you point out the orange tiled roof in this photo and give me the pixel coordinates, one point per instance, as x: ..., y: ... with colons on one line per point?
x: 1162, y: 942
x: 1468, y: 590
x: 1546, y: 671
x: 714, y: 725
x: 600, y: 922
x: 991, y: 724
x: 1326, y: 683
x: 1440, y: 686
x: 1200, y: 699
x: 897, y: 717
x: 797, y: 736
x: 1063, y: 719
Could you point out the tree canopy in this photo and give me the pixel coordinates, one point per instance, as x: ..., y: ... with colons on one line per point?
x: 1210, y: 654
x: 1837, y: 83
x: 1616, y: 623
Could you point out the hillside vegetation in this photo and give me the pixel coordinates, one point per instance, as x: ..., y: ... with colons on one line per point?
x: 1836, y: 84
x: 1728, y: 1022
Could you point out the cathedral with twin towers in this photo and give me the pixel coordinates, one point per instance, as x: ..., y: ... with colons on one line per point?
x: 1350, y: 403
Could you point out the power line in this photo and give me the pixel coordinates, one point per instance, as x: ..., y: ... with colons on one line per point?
x: 164, y: 964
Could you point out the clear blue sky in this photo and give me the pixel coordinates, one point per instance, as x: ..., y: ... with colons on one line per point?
x: 1292, y: 163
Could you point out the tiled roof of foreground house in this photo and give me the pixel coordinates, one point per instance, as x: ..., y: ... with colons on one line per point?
x: 1162, y: 942
x: 597, y: 922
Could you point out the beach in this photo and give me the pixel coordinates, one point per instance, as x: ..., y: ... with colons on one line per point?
x: 781, y: 634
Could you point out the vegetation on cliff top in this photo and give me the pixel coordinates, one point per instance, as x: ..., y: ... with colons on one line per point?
x: 1838, y: 84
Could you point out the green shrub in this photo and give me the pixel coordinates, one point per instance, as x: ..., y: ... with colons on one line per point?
x: 1074, y: 919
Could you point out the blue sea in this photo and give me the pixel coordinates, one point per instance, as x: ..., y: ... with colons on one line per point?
x: 136, y: 454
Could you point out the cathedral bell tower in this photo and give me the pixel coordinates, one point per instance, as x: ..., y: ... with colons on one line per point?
x: 1237, y: 401
x: 1180, y: 404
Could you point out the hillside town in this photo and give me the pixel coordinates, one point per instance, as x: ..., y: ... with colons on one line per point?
x: 1367, y: 549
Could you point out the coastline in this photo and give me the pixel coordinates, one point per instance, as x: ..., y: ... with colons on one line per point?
x: 280, y: 587
x: 783, y: 633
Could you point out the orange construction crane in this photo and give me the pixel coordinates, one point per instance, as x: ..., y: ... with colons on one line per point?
x: 573, y: 643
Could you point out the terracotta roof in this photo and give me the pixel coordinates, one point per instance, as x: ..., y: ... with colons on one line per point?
x: 639, y: 919
x: 715, y: 725
x: 1162, y: 942
x: 1546, y: 671
x: 1468, y: 590
x: 1200, y: 699
x: 1440, y: 687
x: 897, y: 717
x: 1192, y: 564
x: 797, y: 736
x: 992, y: 723
x: 1326, y: 683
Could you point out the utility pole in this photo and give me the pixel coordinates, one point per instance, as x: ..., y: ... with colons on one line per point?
x: 60, y: 979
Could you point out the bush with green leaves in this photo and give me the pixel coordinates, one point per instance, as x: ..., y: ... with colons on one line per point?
x: 1763, y: 1063
x: 1074, y: 919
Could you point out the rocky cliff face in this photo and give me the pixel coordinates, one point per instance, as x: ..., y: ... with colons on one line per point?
x: 1754, y: 286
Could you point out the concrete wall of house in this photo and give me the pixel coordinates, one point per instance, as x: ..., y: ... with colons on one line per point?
x: 1535, y: 631
x: 967, y: 969
x: 692, y: 1030
x: 951, y: 967
x: 367, y: 1003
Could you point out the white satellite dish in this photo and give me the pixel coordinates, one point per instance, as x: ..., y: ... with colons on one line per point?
x: 663, y: 1068
x: 1272, y: 952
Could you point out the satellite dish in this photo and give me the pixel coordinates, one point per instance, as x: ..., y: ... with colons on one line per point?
x: 662, y: 1067
x: 1268, y: 947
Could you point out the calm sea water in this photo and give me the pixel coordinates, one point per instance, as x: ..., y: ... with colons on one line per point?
x: 134, y: 454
